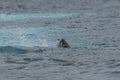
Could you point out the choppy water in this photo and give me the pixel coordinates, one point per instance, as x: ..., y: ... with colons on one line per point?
x: 35, y: 36
x: 77, y: 36
x: 9, y: 17
x: 31, y: 36
x: 30, y: 53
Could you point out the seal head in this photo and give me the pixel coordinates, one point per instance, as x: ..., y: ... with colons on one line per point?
x: 63, y: 44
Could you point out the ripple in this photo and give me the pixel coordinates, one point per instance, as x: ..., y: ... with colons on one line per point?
x: 62, y: 62
x: 115, y: 72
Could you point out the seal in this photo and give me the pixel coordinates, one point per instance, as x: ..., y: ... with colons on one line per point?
x: 63, y: 44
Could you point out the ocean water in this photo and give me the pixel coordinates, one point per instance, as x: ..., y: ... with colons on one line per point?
x: 36, y: 36
x: 31, y: 53
x: 9, y: 17
x: 77, y: 36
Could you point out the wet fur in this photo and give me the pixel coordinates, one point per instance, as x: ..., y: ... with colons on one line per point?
x: 63, y: 44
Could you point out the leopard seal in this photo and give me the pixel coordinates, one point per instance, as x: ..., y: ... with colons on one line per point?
x: 63, y: 43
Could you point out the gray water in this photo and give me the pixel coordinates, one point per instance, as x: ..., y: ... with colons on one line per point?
x: 29, y: 30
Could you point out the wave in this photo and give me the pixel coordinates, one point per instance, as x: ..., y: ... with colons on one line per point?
x: 13, y: 17
x: 13, y: 49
